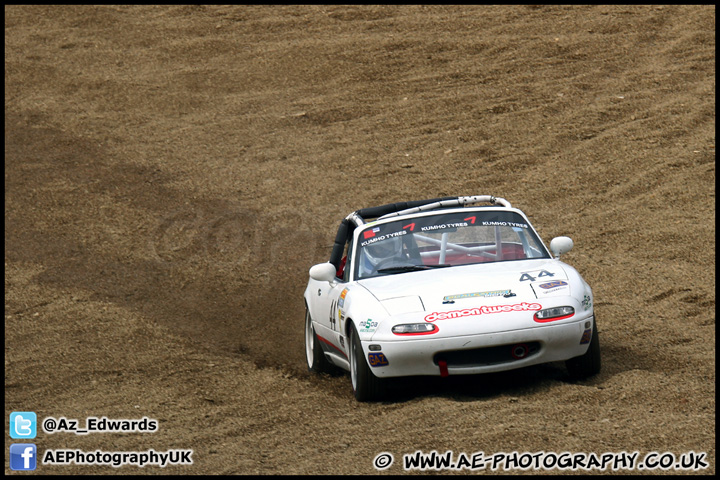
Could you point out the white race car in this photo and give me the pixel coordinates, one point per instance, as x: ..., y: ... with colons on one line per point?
x: 445, y: 287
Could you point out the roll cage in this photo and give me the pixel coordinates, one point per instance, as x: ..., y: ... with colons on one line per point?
x: 360, y: 217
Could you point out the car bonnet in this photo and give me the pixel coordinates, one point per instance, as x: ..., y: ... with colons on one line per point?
x: 447, y: 289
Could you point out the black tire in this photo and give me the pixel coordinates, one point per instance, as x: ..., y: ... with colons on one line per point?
x: 316, y: 360
x: 588, y: 364
x: 366, y: 386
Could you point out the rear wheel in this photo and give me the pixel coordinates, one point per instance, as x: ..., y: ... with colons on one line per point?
x: 588, y: 364
x: 316, y: 360
x: 366, y: 386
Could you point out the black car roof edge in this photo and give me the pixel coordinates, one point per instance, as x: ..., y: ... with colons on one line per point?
x: 375, y: 212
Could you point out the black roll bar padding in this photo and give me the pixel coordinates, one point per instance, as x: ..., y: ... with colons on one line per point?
x: 340, y: 241
x: 346, y: 228
x: 375, y: 212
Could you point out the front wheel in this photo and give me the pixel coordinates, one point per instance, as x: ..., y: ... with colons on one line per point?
x: 588, y: 364
x: 316, y: 360
x: 366, y: 386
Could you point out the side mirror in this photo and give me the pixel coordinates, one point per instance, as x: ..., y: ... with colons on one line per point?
x: 560, y: 245
x: 323, y: 272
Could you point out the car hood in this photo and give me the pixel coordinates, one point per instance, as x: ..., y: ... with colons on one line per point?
x: 445, y: 289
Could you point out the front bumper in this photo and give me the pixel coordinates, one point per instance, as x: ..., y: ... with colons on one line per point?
x: 481, y: 353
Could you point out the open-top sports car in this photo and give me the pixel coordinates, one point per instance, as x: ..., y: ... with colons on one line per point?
x: 445, y: 287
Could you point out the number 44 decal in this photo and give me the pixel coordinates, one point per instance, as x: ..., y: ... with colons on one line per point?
x: 543, y: 273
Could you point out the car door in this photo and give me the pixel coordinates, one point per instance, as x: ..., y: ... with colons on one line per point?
x: 328, y: 305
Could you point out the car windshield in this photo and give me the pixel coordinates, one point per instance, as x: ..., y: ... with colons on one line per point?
x: 444, y: 240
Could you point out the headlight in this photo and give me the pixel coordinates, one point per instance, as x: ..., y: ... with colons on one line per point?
x: 415, y: 329
x: 555, y: 313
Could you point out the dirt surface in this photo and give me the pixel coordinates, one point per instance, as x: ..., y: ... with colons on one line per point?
x: 171, y: 173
